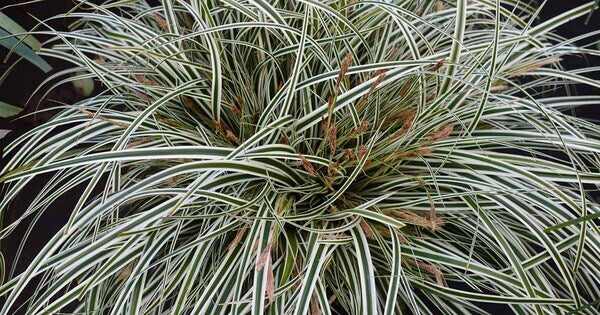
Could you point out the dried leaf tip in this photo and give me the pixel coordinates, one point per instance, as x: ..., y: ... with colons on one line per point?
x: 532, y: 67
x: 432, y: 223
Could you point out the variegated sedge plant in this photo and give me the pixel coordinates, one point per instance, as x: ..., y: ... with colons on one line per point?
x: 304, y: 156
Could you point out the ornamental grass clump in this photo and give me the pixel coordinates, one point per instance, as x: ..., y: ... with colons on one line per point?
x: 294, y: 157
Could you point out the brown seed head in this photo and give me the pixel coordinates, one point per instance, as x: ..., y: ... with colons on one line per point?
x: 236, y: 110
x: 238, y: 238
x: 163, y: 24
x: 332, y: 138
x: 366, y: 229
x: 263, y: 256
x: 125, y: 272
x: 219, y: 127
x: 443, y: 133
x: 438, y: 65
x: 232, y: 137
x: 270, y: 280
x: 349, y: 155
x: 361, y: 151
x: 307, y: 165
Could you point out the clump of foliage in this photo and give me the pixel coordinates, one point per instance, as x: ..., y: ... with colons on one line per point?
x: 347, y: 157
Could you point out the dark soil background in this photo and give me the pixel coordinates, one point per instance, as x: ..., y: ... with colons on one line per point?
x: 25, y: 78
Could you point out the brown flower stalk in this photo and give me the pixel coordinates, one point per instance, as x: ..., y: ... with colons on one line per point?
x: 314, y: 305
x: 344, y: 68
x: 144, y: 80
x: 137, y: 143
x: 380, y: 76
x: 361, y: 151
x: 190, y: 103
x: 220, y: 127
x: 331, y: 168
x: 402, y: 116
x: 141, y: 96
x: 110, y: 121
x: 432, y: 214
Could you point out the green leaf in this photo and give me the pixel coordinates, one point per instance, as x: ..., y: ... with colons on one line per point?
x: 12, y: 43
x: 7, y: 110
x: 12, y: 27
